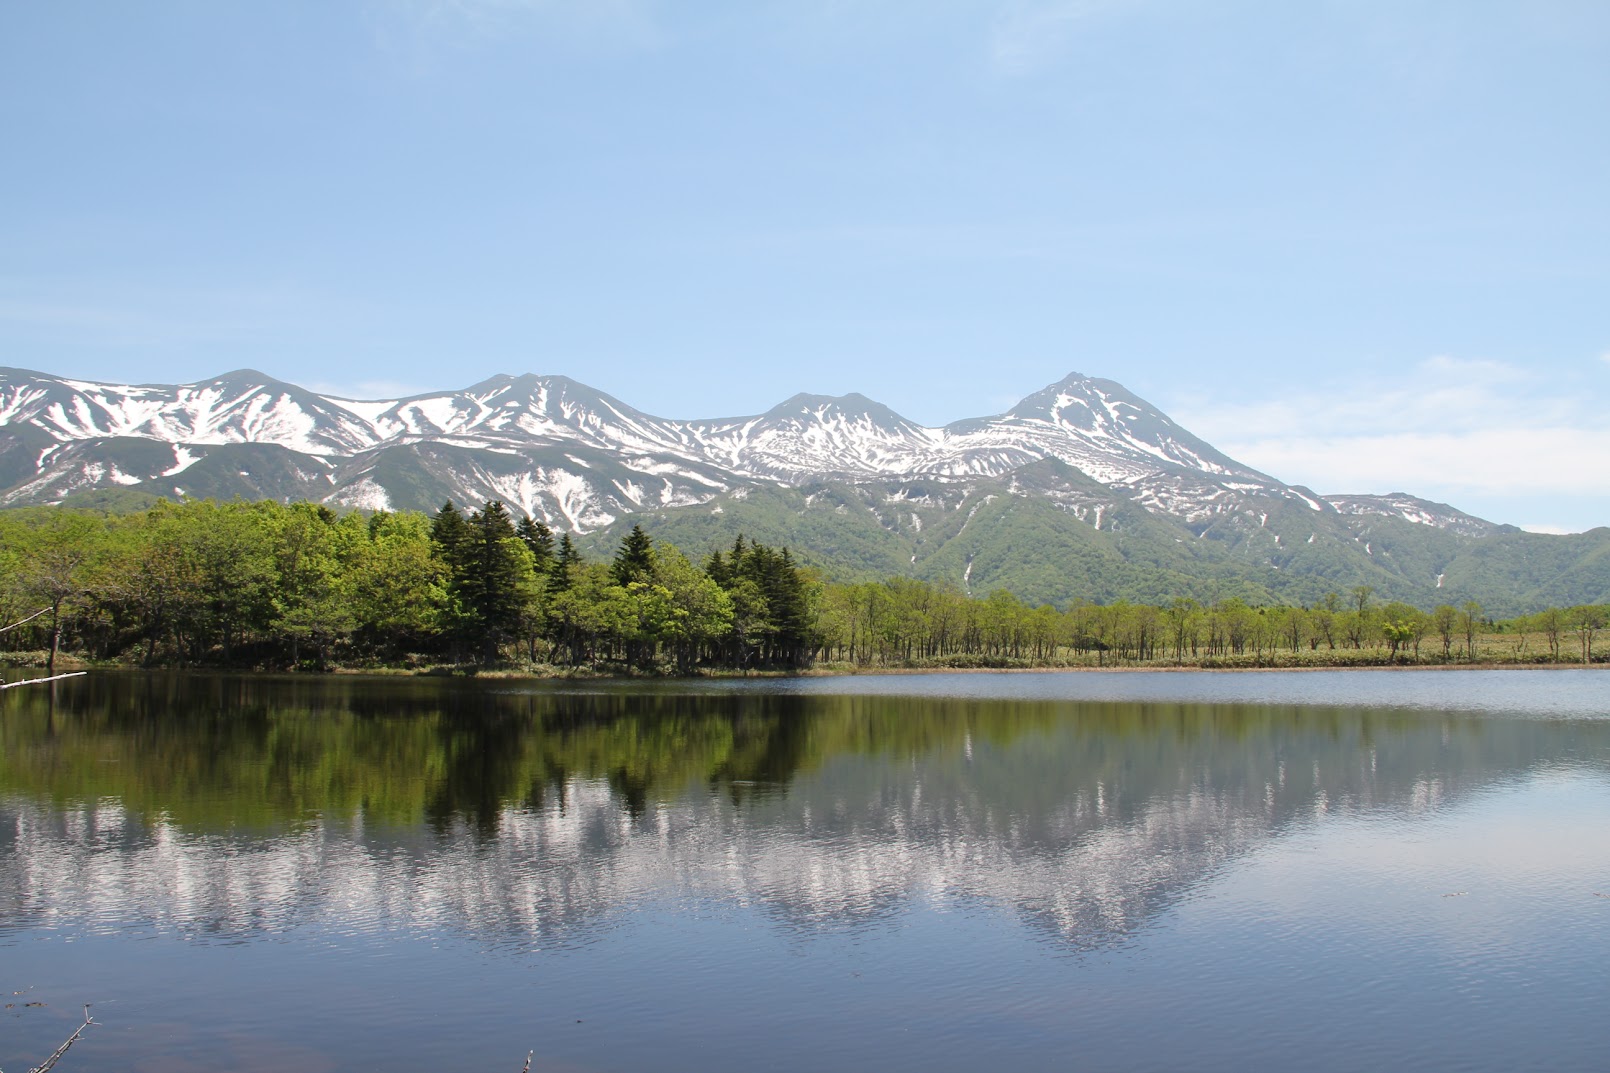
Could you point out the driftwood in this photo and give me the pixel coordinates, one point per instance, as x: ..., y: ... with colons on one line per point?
x: 24, y: 621
x: 55, y: 1056
x: 36, y: 681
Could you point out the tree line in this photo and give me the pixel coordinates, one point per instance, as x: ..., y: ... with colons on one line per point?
x: 262, y: 584
x: 903, y: 622
x: 275, y: 586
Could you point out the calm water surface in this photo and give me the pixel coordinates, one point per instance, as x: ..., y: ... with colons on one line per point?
x: 1316, y: 871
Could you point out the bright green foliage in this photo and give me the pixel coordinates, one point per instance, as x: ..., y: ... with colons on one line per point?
x: 697, y: 612
x: 1404, y: 627
x: 772, y: 606
x: 397, y: 586
x: 492, y: 584
x: 313, y: 604
x: 1051, y: 535
x: 274, y: 586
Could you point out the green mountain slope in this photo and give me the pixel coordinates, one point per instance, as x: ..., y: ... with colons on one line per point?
x: 1036, y: 534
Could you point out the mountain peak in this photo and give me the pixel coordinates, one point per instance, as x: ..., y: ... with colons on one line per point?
x: 548, y: 435
x: 241, y: 376
x: 806, y: 399
x: 854, y: 404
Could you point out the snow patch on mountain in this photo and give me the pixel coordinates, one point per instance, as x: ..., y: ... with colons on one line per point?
x: 363, y: 494
x: 1413, y: 509
x: 183, y: 459
x: 576, y: 457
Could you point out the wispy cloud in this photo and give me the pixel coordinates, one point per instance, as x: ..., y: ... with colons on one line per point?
x: 141, y: 317
x: 471, y: 23
x: 1441, y: 427
x: 1031, y: 33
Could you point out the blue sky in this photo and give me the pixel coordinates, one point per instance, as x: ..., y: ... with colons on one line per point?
x: 1362, y: 245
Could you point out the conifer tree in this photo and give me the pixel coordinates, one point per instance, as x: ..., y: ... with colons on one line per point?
x: 716, y: 569
x: 493, y: 579
x: 448, y: 531
x: 539, y: 538
x: 564, y: 565
x: 635, y: 559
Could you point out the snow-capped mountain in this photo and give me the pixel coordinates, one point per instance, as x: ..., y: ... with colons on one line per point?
x: 1093, y: 425
x: 1414, y: 509
x: 238, y: 407
x: 580, y: 459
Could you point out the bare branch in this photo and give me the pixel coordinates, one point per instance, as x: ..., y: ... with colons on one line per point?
x: 36, y: 681
x: 23, y: 622
x: 55, y: 1055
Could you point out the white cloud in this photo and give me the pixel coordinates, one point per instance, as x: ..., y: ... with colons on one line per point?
x: 1494, y: 461
x: 1443, y: 427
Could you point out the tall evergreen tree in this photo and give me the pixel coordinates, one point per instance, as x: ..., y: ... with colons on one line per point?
x: 790, y: 612
x: 717, y: 570
x: 539, y: 538
x: 493, y: 582
x: 448, y: 531
x: 564, y: 565
x: 635, y: 559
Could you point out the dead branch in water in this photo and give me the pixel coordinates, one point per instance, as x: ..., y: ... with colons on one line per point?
x: 36, y: 681
x: 55, y: 1056
x: 24, y: 621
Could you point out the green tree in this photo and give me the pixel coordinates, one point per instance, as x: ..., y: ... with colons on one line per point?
x: 539, y: 539
x: 53, y: 565
x: 1470, y: 622
x: 1403, y: 627
x: 1551, y: 623
x: 492, y: 584
x: 1445, y: 620
x: 398, y: 587
x: 698, y: 611
x: 1588, y: 620
x: 635, y: 559
x: 565, y: 564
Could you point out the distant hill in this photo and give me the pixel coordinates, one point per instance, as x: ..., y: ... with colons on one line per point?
x: 1082, y: 490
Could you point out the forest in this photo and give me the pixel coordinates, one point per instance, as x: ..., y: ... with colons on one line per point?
x: 271, y: 586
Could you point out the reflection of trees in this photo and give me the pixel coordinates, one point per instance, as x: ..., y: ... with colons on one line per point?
x: 245, y: 804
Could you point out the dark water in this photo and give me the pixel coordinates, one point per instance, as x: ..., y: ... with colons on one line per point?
x: 973, y: 872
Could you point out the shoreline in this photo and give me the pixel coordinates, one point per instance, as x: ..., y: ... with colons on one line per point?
x: 582, y: 674
x: 1190, y: 669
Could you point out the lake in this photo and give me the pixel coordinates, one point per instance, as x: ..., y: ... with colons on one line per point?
x: 1068, y: 871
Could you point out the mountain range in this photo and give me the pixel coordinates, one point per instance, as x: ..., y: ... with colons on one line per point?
x: 1080, y: 490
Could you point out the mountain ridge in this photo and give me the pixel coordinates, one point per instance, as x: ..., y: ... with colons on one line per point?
x: 1089, y: 471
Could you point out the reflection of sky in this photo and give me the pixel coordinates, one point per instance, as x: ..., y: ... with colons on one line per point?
x: 1084, y: 836
x: 1326, y: 945
x: 1473, y: 934
x: 1257, y: 894
x: 1553, y: 692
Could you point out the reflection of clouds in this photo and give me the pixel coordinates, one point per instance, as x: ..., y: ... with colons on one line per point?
x: 1083, y: 840
x: 1453, y: 879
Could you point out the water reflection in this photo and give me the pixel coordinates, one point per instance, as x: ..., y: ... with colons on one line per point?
x: 227, y: 808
